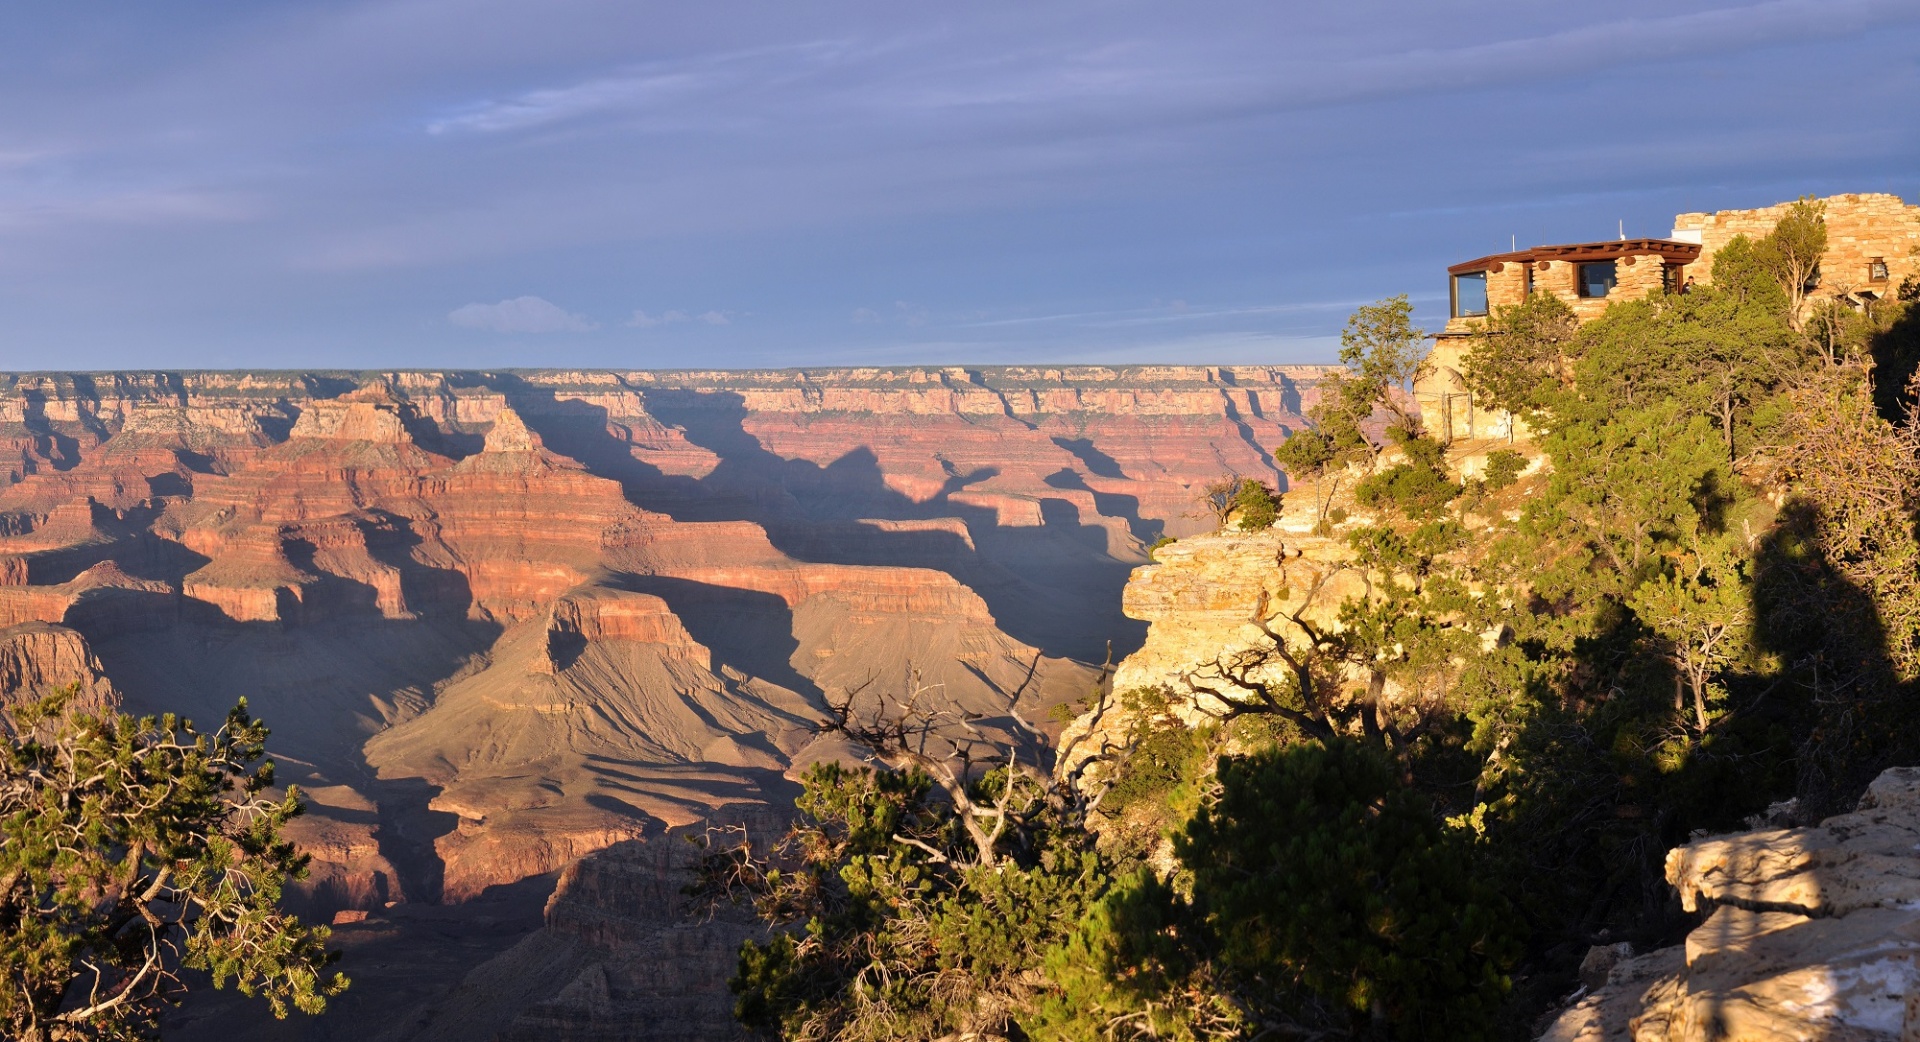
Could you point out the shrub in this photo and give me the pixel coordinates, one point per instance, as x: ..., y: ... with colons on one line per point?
x: 1414, y: 490
x: 1256, y: 506
x: 1503, y: 469
x: 1315, y: 863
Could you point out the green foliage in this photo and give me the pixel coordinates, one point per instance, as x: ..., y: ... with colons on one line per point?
x: 1521, y: 361
x: 1791, y: 252
x: 134, y: 848
x: 1134, y: 968
x: 1418, y: 488
x: 1383, y: 352
x: 1701, y: 611
x: 1161, y: 756
x: 1255, y: 506
x: 1503, y: 469
x: 1718, y: 351
x: 1458, y: 751
x: 1315, y: 867
x: 893, y: 926
x: 1306, y: 453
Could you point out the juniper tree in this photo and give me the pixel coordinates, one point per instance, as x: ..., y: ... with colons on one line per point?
x: 133, y: 849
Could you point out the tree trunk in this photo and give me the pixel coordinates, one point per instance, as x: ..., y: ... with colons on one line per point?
x: 1370, y: 713
x: 1700, y: 702
x: 1726, y: 427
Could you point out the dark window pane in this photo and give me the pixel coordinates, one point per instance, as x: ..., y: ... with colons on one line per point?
x: 1596, y: 279
x: 1470, y: 295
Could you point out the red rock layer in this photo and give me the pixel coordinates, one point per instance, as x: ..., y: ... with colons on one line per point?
x: 504, y: 619
x: 37, y: 658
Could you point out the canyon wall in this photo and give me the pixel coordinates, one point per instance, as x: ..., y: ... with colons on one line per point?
x: 499, y: 620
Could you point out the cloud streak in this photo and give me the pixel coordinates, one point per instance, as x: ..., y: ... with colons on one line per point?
x: 642, y: 320
x: 521, y: 315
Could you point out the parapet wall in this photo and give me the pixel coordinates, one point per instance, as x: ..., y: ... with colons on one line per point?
x: 1861, y: 229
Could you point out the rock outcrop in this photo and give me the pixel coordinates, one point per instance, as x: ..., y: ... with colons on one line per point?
x: 37, y: 658
x: 1210, y: 602
x: 1812, y: 933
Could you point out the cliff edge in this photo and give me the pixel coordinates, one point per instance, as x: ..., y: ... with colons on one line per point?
x: 1814, y: 933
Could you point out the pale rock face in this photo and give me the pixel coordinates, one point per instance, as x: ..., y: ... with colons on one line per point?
x: 1203, y: 595
x: 1814, y: 934
x: 1204, y: 599
x: 351, y: 421
x: 511, y: 434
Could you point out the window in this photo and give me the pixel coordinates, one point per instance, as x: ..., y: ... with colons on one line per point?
x: 1470, y: 295
x: 1813, y: 280
x: 1876, y: 270
x: 1596, y: 279
x: 1672, y: 277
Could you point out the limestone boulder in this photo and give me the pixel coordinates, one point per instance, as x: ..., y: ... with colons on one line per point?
x: 1811, y: 933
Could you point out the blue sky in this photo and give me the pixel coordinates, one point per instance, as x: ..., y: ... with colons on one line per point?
x: 486, y: 183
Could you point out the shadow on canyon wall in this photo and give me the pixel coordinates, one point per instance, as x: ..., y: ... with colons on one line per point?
x: 747, y: 631
x: 325, y: 680
x: 1053, y: 586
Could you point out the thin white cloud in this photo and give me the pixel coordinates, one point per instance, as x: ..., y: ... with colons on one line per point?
x: 540, y: 107
x: 648, y: 88
x: 1178, y: 311
x: 521, y: 315
x: 642, y: 320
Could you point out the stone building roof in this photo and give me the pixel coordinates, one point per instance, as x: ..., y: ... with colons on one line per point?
x: 1667, y: 249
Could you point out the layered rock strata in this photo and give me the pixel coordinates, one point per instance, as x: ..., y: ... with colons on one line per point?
x: 1810, y: 933
x: 1212, y: 604
x: 38, y: 658
x: 501, y: 620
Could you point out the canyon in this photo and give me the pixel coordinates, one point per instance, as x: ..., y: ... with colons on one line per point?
x: 501, y: 621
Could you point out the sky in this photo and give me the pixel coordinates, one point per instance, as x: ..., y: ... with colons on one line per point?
x: 734, y: 183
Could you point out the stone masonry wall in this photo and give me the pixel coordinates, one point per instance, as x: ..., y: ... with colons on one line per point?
x: 1860, y: 229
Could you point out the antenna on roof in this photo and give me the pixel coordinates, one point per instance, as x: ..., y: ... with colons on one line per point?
x: 1623, y: 230
x: 1516, y: 243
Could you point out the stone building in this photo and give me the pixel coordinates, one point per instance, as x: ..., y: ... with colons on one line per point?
x: 1873, y: 242
x: 1873, y: 247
